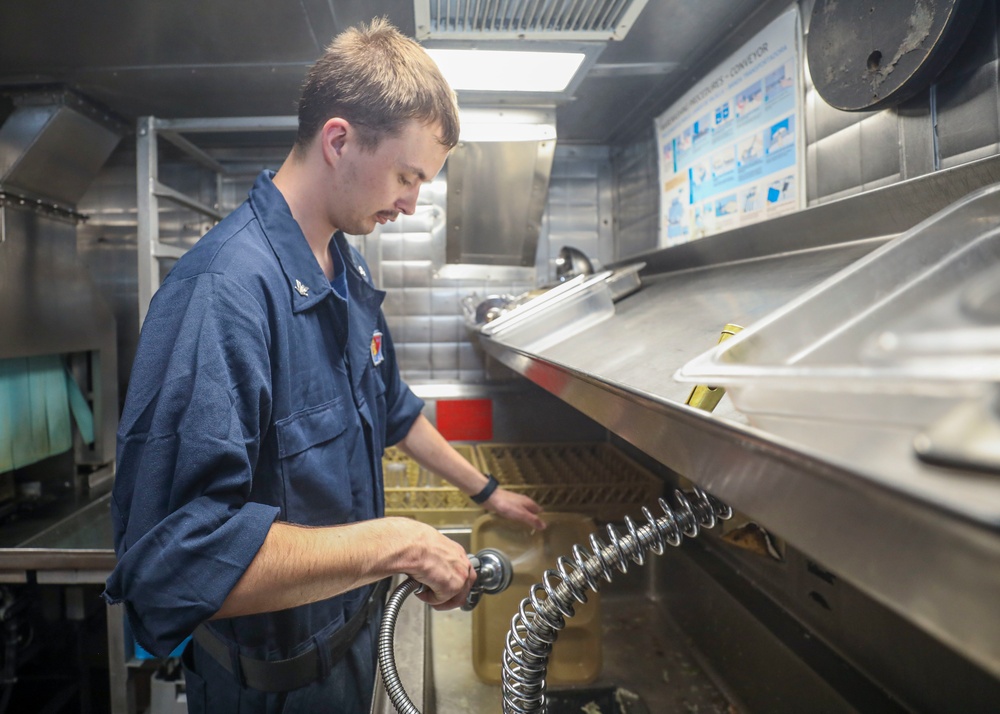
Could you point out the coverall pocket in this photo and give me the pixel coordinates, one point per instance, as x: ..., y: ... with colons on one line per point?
x: 314, y: 450
x: 310, y: 427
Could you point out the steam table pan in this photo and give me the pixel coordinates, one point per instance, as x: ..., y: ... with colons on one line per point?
x: 897, y: 338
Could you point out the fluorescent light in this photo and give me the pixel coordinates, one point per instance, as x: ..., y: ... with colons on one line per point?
x: 503, y: 71
x: 508, y: 124
x: 508, y: 132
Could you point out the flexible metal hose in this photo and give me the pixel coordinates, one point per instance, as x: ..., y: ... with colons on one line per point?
x: 494, y: 573
x: 386, y: 655
x: 549, y: 604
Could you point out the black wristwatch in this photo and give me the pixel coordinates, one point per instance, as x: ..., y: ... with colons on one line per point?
x: 487, y: 491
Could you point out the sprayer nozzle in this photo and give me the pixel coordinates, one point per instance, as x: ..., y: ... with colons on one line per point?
x: 494, y: 574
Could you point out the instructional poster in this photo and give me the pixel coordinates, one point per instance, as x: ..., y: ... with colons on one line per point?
x: 730, y: 148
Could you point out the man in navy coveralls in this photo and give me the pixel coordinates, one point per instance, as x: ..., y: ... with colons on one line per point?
x: 248, y: 504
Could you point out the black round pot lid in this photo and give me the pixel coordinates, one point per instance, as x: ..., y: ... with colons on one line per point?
x: 869, y: 55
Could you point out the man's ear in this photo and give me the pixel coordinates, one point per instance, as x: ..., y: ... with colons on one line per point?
x: 333, y: 138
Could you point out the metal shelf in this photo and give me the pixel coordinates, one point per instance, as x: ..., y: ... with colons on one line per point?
x: 150, y: 190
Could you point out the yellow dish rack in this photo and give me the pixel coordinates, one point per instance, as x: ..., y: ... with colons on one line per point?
x: 592, y: 478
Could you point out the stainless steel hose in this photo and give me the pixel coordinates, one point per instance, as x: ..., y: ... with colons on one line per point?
x: 549, y: 604
x: 386, y: 654
x: 494, y: 573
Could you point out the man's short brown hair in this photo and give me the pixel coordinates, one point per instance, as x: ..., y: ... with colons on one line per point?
x: 377, y: 79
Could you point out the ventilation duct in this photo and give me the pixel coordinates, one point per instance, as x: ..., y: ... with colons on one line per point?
x: 598, y: 20
x: 52, y: 146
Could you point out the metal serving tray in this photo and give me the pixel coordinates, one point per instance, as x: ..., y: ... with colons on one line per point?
x: 898, y: 337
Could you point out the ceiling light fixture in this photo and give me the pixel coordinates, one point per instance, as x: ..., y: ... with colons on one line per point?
x: 507, y: 71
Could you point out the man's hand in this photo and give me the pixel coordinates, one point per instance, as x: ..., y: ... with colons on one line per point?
x: 441, y: 565
x: 516, y: 507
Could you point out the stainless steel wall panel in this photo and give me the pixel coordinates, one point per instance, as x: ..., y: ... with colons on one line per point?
x: 421, y: 221
x: 916, y: 137
x: 968, y: 123
x: 414, y: 329
x: 445, y: 300
x: 416, y: 246
x: 470, y: 361
x: 838, y: 162
x: 830, y: 121
x: 445, y: 332
x: 444, y: 361
x: 809, y: 102
x: 392, y: 274
x: 416, y: 302
x: 576, y: 209
x: 879, y: 149
x: 812, y: 175
x: 417, y: 357
x: 390, y: 246
x: 393, y: 303
x: 635, y: 191
x: 417, y: 273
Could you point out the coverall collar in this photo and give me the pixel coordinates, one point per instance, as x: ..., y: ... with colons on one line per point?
x: 307, y: 283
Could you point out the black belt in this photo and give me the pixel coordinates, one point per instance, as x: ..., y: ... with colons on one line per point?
x: 284, y: 675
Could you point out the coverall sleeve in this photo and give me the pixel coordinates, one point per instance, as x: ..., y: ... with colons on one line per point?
x: 198, y: 403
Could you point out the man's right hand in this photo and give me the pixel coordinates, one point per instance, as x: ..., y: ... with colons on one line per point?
x: 438, y: 563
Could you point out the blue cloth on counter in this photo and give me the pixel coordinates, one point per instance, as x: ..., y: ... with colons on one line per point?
x: 37, y: 396
x: 255, y: 395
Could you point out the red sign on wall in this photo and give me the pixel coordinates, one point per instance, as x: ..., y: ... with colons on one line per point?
x: 465, y: 419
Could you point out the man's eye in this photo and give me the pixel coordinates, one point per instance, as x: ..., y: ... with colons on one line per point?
x: 405, y: 181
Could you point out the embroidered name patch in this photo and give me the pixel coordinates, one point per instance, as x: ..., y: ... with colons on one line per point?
x: 377, y: 356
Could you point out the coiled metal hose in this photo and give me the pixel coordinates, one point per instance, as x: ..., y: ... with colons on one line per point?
x: 549, y: 604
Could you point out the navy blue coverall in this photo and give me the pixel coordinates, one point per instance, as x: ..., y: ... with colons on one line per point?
x: 258, y: 393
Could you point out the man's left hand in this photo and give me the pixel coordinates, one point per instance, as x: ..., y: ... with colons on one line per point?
x: 516, y: 507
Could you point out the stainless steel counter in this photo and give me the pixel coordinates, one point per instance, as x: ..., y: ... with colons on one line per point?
x: 921, y: 540
x: 73, y: 540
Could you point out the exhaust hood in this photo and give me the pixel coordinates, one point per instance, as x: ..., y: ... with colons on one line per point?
x: 52, y: 146
x: 498, y: 181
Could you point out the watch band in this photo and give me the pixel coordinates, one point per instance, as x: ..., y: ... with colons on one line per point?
x: 487, y: 491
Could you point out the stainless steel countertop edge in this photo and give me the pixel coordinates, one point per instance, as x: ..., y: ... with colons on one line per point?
x: 934, y: 568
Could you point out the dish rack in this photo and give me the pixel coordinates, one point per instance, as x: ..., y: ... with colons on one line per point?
x: 591, y: 478
x: 411, y: 490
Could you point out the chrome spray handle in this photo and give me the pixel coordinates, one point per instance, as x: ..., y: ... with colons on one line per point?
x: 494, y: 573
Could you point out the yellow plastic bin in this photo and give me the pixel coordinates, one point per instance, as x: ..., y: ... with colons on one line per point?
x: 576, y: 656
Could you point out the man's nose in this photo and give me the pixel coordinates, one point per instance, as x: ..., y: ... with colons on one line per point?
x: 407, y: 203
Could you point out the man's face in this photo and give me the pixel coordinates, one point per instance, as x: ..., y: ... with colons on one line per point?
x: 379, y: 185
